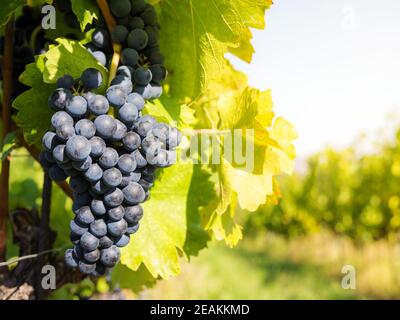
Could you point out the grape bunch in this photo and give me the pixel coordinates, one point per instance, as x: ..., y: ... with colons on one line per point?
x: 111, y: 163
x: 138, y: 33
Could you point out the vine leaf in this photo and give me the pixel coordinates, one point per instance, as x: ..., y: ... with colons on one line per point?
x: 163, y: 227
x: 197, y: 34
x: 8, y: 145
x: 7, y: 8
x: 86, y: 11
x: 62, y: 59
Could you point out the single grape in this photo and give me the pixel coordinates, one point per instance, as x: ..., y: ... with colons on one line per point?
x: 125, y: 71
x: 60, y: 98
x: 135, y: 23
x: 60, y: 118
x: 93, y: 173
x: 98, y: 228
x: 97, y: 146
x: 116, y: 95
x: 120, y: 132
x: 56, y: 173
x: 77, y: 107
x: 137, y: 100
x: 106, y: 242
x: 83, y: 165
x: 78, y: 148
x: 65, y: 132
x: 79, y: 184
x: 161, y: 131
x: 109, y: 158
x: 76, y: 229
x: 50, y: 141
x: 133, y: 193
x: 159, y: 73
x: 132, y: 228
x: 112, y: 177
x: 120, y: 8
x: 92, y: 256
x: 138, y: 6
x: 137, y: 39
x: 110, y: 256
x: 122, y: 241
x: 119, y: 34
x: 133, y: 214
x: 174, y: 138
x: 142, y: 76
x: 69, y: 259
x: 131, y: 141
x: 140, y: 160
x: 117, y: 228
x: 114, y: 197
x: 126, y: 164
x: 88, y: 96
x: 101, y: 38
x: 98, y: 105
x: 59, y: 154
x: 129, y: 57
x: 89, y: 242
x: 91, y: 79
x: 105, y: 126
x: 123, y: 82
x: 128, y: 113
x: 100, y: 57
x: 84, y: 216
x: 144, y: 125
x: 86, y: 128
x: 149, y: 16
x: 151, y: 145
x: 66, y: 82
x: 116, y: 213
x: 87, y: 268
x: 98, y: 207
x: 154, y: 91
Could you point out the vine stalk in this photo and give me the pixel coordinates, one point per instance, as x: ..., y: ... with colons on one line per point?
x: 6, y: 116
x: 111, y: 24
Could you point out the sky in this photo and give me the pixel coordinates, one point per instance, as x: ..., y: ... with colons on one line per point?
x: 333, y: 67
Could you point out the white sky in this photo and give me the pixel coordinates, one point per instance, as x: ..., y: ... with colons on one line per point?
x: 333, y: 67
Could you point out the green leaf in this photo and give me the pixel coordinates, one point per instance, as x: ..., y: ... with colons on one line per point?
x: 7, y: 8
x: 86, y: 11
x: 196, y: 35
x: 8, y: 145
x: 70, y: 57
x: 33, y: 112
x: 163, y: 228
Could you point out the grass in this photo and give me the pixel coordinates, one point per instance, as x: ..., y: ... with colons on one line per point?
x: 270, y: 267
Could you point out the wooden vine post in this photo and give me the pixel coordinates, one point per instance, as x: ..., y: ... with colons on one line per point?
x: 6, y: 121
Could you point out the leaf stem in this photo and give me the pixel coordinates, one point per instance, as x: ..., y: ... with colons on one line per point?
x: 6, y: 116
